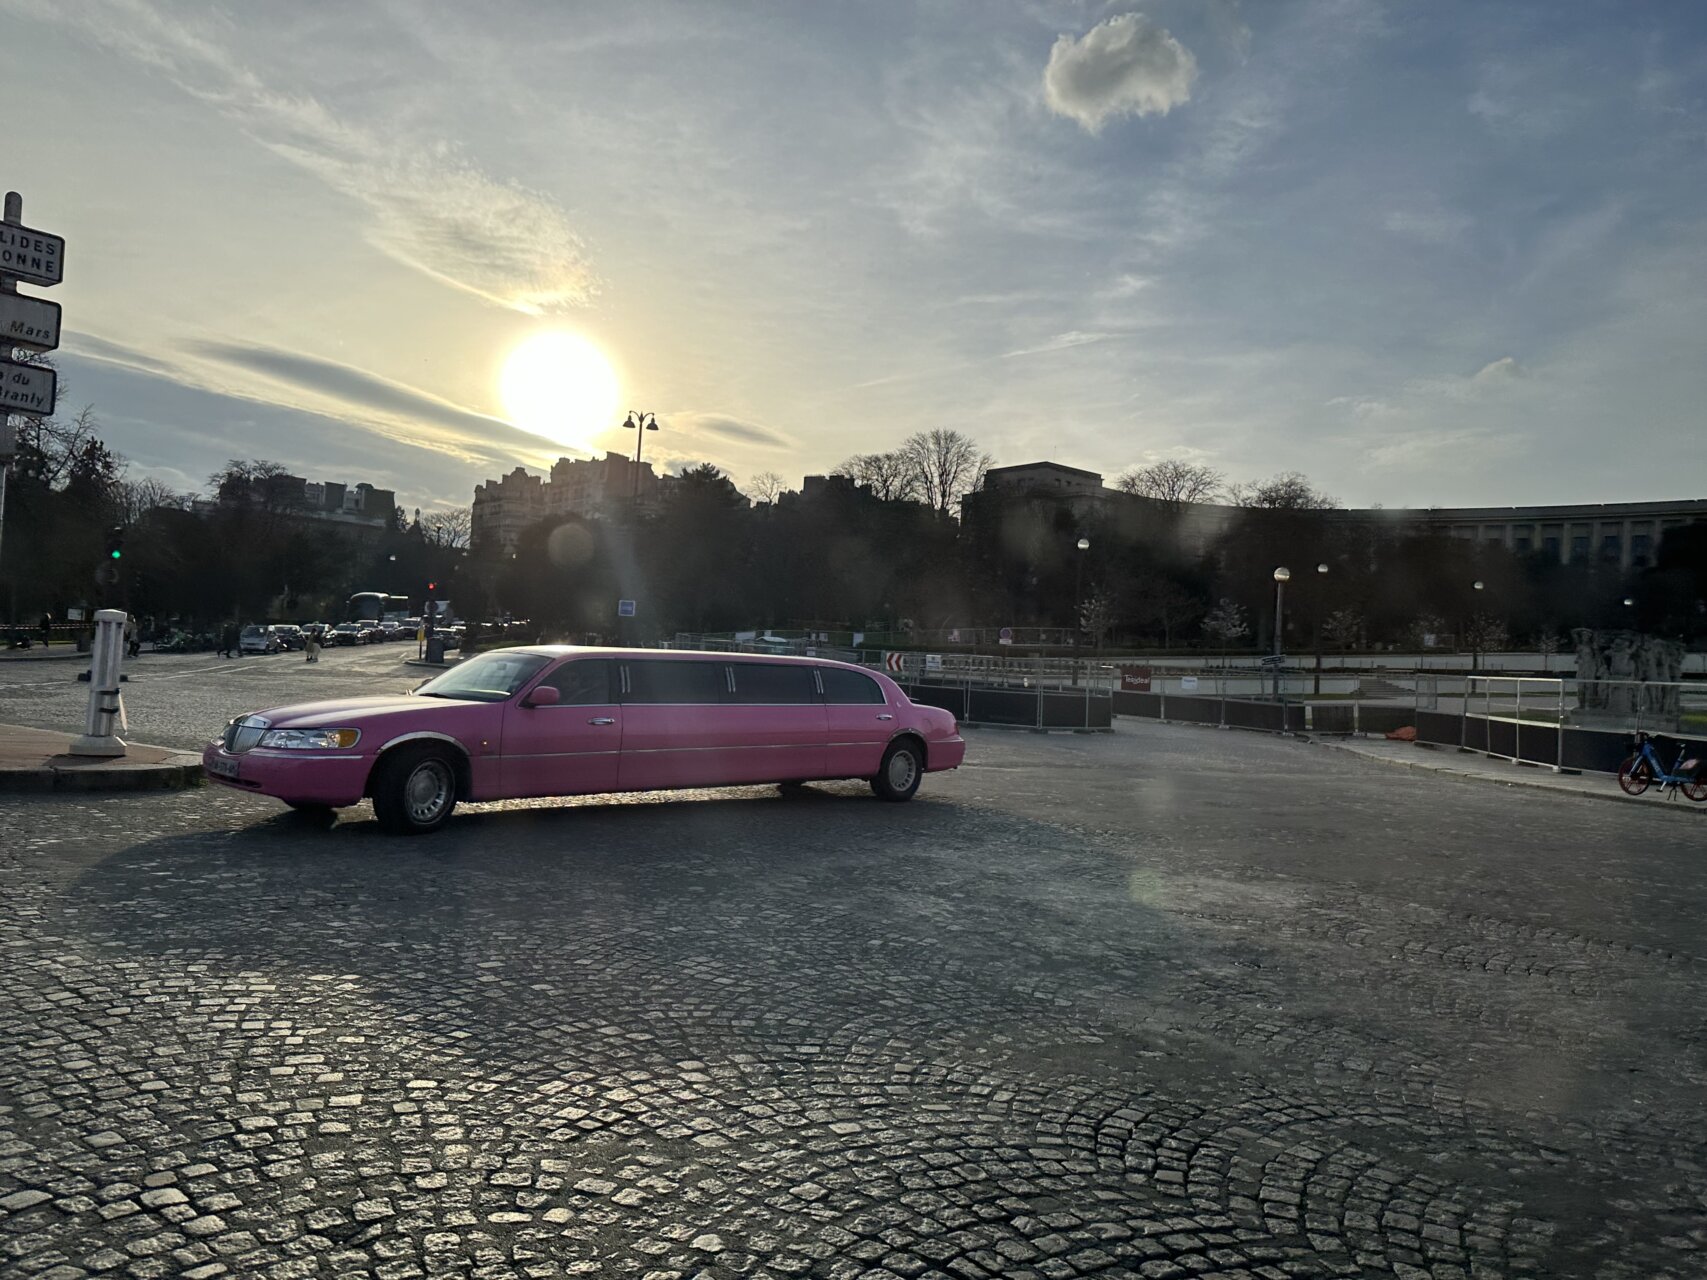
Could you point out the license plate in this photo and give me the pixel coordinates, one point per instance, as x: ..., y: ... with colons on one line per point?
x: 224, y: 768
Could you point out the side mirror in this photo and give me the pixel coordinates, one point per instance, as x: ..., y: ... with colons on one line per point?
x: 546, y: 695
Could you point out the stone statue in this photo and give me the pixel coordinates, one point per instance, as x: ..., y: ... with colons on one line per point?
x: 1628, y: 677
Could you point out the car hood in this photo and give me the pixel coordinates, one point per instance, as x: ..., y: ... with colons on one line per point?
x: 355, y: 712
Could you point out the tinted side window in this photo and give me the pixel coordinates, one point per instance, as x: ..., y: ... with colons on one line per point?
x: 675, y: 681
x: 585, y: 682
x: 773, y: 683
x: 849, y: 686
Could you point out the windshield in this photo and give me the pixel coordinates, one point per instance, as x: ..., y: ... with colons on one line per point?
x: 491, y: 677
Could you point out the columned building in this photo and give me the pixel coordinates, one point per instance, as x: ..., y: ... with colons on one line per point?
x: 589, y: 487
x: 1625, y: 534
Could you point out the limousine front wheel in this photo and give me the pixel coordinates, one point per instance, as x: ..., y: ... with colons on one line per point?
x: 415, y: 791
x: 898, y: 776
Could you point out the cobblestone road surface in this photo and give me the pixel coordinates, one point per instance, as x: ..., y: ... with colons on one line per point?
x: 1168, y: 1002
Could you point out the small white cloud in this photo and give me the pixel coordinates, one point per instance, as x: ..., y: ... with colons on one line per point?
x: 1497, y: 372
x: 1125, y: 66
x: 1365, y: 407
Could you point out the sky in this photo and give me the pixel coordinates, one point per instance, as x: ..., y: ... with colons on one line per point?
x: 1427, y: 254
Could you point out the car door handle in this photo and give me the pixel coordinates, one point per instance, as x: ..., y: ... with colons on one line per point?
x: 602, y: 720
x: 885, y: 716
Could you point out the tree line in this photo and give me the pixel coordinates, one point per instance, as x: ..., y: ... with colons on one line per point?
x: 886, y: 544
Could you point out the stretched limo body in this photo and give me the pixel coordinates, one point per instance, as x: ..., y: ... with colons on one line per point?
x: 562, y: 720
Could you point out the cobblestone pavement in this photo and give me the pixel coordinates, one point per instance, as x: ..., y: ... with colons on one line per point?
x: 1168, y: 1002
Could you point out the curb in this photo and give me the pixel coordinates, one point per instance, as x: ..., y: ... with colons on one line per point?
x: 1468, y: 775
x: 172, y: 774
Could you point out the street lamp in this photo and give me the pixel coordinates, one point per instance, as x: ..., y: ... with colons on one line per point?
x: 640, y: 424
x: 1475, y: 636
x: 1084, y: 545
x: 1321, y: 571
x: 1282, y: 576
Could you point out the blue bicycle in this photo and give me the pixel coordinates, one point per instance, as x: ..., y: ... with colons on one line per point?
x: 1643, y: 769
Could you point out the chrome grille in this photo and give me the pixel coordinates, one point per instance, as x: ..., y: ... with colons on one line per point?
x: 243, y: 733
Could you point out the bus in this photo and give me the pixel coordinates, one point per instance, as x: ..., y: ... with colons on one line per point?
x: 376, y: 606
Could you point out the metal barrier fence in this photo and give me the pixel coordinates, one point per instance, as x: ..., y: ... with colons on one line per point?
x: 1039, y: 707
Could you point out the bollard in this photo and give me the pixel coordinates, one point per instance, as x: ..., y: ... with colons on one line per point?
x: 98, y: 738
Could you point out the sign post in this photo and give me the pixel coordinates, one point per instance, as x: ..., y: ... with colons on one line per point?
x: 37, y: 257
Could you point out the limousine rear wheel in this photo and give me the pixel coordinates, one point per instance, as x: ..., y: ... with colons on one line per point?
x: 415, y: 790
x: 898, y: 776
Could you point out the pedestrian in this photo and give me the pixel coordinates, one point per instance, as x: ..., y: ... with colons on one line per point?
x: 227, y: 639
x: 313, y: 647
x: 132, y: 639
x: 46, y: 630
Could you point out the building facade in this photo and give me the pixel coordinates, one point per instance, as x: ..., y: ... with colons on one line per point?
x: 356, y: 508
x: 1625, y: 534
x: 595, y: 488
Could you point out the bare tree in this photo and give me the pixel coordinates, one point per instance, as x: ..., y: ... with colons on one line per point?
x: 1288, y: 491
x: 448, y: 529
x: 765, y: 487
x: 889, y: 476
x: 1343, y: 627
x: 945, y: 465
x: 136, y: 498
x: 1226, y: 623
x: 1173, y: 482
x: 1097, y: 614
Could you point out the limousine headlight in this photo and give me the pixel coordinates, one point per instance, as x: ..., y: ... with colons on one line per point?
x: 311, y: 739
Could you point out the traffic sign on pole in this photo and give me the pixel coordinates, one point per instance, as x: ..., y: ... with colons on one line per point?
x: 27, y: 388
x: 28, y: 322
x: 28, y: 254
x: 625, y: 608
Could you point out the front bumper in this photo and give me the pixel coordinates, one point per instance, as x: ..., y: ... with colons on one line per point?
x: 334, y: 778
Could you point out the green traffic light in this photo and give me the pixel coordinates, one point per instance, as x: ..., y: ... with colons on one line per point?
x: 117, y: 554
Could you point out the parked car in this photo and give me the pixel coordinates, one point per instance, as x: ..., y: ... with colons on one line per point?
x: 258, y: 639
x: 573, y: 721
x: 344, y: 633
x: 290, y: 636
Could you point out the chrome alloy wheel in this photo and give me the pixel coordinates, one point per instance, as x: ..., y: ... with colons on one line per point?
x: 429, y: 791
x: 903, y: 770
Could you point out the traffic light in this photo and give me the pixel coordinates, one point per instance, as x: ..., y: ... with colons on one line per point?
x: 432, y: 587
x: 115, y: 542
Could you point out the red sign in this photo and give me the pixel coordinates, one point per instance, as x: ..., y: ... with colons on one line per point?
x: 1135, y: 679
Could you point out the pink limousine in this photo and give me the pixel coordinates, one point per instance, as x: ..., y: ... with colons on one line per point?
x: 560, y: 721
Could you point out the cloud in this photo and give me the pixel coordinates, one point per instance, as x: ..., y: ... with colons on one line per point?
x: 404, y: 411
x: 1498, y: 372
x: 1124, y: 66
x: 1367, y: 408
x: 728, y: 428
x: 1062, y: 342
x: 429, y: 208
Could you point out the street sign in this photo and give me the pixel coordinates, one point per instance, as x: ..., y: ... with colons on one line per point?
x: 28, y: 322
x: 625, y: 608
x: 27, y: 254
x: 1274, y: 659
x: 1188, y: 684
x: 27, y: 388
x: 894, y: 661
x: 1135, y: 679
x: 933, y: 662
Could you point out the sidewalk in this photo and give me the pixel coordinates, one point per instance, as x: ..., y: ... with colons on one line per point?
x: 36, y: 760
x: 1475, y: 767
x: 36, y: 653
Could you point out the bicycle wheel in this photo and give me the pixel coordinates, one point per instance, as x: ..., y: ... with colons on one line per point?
x: 1695, y: 788
x: 1634, y: 775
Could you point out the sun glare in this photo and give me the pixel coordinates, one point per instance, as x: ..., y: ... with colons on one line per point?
x: 560, y: 386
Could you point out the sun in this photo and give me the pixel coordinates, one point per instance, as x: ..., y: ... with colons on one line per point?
x: 558, y: 385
